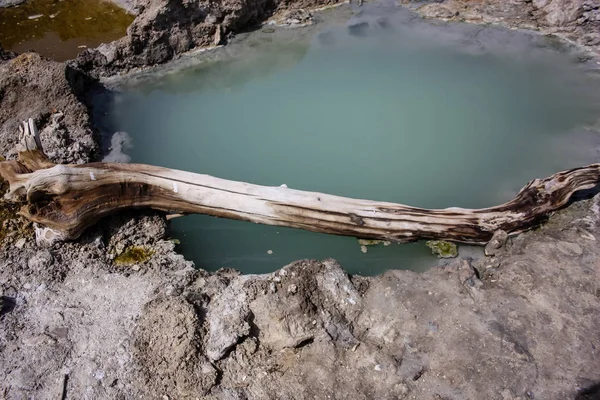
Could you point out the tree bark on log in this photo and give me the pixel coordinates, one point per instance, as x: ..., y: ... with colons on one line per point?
x: 67, y: 199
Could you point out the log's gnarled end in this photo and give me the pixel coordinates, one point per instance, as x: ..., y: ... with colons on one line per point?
x: 557, y: 190
x: 64, y: 200
x: 15, y: 174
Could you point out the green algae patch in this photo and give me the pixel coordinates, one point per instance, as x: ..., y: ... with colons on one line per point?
x: 369, y: 242
x: 443, y: 249
x: 134, y: 255
x: 365, y: 243
x: 12, y: 225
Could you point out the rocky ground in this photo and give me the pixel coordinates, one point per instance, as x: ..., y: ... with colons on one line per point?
x: 523, y: 324
x: 49, y: 92
x: 119, y: 314
x: 164, y: 29
x: 575, y: 20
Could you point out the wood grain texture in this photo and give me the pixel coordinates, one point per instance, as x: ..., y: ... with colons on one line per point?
x: 69, y: 198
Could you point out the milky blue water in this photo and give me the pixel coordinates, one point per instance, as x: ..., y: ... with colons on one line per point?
x: 391, y: 108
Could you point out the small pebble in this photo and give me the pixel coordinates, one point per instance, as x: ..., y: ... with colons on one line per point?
x: 497, y: 241
x: 433, y: 327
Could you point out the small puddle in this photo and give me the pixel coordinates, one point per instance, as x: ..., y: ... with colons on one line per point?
x: 61, y: 29
x: 396, y: 109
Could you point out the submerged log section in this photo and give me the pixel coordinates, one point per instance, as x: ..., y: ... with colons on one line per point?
x: 66, y: 199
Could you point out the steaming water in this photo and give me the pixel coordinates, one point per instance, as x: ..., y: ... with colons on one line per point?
x: 396, y: 109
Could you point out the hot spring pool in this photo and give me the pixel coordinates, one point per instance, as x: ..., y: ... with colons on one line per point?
x: 382, y: 106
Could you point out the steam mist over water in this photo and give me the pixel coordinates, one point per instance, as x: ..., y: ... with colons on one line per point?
x: 385, y: 107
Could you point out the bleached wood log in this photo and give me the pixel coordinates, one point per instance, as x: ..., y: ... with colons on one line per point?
x: 66, y: 199
x: 31, y: 152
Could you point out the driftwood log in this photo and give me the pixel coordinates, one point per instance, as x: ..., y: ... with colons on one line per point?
x: 67, y: 199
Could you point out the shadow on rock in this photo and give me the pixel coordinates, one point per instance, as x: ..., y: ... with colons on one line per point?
x: 7, y: 304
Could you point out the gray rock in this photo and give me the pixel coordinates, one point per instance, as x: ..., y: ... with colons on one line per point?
x: 497, y: 241
x: 296, y: 17
x: 227, y: 320
x: 41, y: 260
x: 6, y: 55
x: 164, y: 29
x: 439, y: 11
x: 569, y: 249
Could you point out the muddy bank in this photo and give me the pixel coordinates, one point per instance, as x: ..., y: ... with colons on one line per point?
x: 49, y: 92
x: 164, y: 29
x: 119, y: 314
x: 575, y: 20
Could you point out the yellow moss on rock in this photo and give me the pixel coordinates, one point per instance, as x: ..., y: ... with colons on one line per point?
x: 134, y: 255
x: 442, y: 248
x: 11, y: 224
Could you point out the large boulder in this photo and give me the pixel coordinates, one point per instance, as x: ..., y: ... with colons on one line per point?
x: 6, y: 55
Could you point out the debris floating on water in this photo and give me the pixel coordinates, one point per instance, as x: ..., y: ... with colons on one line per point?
x: 36, y: 16
x: 369, y: 242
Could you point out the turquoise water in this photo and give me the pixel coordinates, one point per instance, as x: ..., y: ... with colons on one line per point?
x: 396, y: 109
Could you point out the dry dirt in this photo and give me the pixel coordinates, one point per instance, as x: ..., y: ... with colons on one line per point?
x: 520, y: 325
